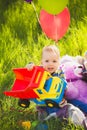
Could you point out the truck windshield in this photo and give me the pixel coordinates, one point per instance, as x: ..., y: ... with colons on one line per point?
x: 48, y: 84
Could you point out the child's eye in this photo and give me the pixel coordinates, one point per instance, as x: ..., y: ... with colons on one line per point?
x: 54, y: 61
x: 46, y: 60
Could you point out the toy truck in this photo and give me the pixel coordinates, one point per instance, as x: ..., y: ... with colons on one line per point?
x: 37, y: 85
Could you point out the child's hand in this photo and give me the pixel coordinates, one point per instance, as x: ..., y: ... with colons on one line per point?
x: 63, y: 103
x: 30, y: 66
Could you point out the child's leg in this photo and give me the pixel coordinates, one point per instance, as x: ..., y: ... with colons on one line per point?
x: 44, y: 111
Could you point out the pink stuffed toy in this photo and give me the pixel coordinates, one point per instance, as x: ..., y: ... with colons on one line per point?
x: 77, y: 88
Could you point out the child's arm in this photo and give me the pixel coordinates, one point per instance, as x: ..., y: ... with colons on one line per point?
x: 30, y: 66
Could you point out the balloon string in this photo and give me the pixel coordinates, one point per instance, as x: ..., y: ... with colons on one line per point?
x: 35, y: 11
x: 37, y: 16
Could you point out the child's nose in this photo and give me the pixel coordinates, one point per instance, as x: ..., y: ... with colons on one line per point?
x: 51, y: 63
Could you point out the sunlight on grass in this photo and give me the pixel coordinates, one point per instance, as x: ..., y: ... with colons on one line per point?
x: 21, y: 41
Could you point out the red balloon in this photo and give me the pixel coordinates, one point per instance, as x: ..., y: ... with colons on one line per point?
x: 55, y: 26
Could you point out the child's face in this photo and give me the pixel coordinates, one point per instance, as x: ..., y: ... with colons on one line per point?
x: 50, y: 61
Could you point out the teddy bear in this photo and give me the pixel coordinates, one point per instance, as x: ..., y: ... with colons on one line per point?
x: 78, y: 59
x: 83, y: 61
x: 76, y: 92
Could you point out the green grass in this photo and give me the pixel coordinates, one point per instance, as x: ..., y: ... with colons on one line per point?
x: 12, y: 117
x: 21, y: 41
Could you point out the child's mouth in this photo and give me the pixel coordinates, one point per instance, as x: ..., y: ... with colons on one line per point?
x: 50, y: 69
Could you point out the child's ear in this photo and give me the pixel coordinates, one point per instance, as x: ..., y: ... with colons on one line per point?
x: 41, y: 63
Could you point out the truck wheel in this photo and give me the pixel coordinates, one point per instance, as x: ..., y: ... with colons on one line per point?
x: 51, y: 103
x: 24, y: 103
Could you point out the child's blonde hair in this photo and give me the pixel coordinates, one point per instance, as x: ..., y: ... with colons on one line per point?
x: 51, y: 48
